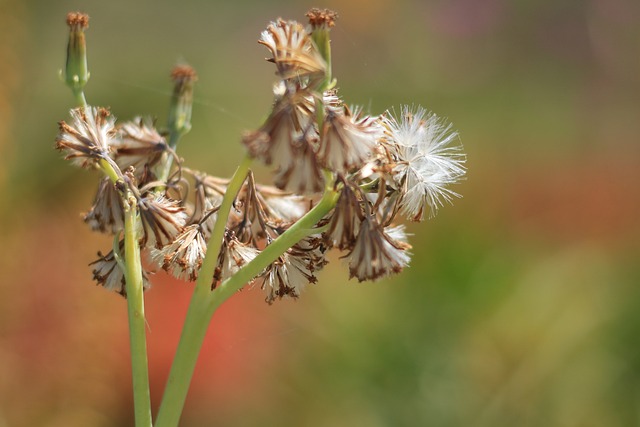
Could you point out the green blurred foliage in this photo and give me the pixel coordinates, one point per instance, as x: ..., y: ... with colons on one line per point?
x: 521, y: 306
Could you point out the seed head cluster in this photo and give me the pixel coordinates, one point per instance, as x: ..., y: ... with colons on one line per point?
x: 383, y: 166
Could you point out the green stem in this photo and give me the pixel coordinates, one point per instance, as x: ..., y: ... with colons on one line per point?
x: 214, y: 245
x: 135, y: 298
x: 135, y: 308
x: 80, y: 99
x: 163, y: 174
x: 198, y: 317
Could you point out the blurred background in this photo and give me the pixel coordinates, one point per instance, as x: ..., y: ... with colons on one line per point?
x: 521, y: 306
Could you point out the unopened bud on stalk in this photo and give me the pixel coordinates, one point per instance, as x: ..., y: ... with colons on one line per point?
x: 183, y: 77
x: 321, y: 21
x: 76, y: 72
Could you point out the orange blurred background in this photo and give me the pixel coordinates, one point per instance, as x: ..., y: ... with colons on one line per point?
x: 521, y: 306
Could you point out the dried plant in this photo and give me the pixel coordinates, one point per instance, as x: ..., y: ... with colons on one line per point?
x: 342, y: 178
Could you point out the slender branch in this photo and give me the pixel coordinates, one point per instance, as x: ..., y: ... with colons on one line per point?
x: 174, y: 137
x: 135, y: 299
x: 135, y: 308
x: 205, y: 275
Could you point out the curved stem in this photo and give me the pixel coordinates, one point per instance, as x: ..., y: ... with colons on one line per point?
x: 135, y: 309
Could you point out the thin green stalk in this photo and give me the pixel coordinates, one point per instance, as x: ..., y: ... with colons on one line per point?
x: 163, y: 174
x: 214, y: 246
x: 80, y: 99
x: 132, y: 273
x: 135, y: 299
x: 137, y: 324
x: 198, y: 317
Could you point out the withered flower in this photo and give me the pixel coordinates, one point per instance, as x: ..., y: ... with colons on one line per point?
x: 377, y: 252
x: 108, y: 274
x: 293, y: 51
x: 345, y: 220
x: 347, y: 139
x: 88, y: 138
x: 183, y: 256
x: 301, y: 173
x: 139, y: 145
x: 293, y: 270
x: 281, y: 205
x: 162, y: 220
x: 291, y: 116
x: 205, y: 208
x: 233, y: 255
x: 107, y: 213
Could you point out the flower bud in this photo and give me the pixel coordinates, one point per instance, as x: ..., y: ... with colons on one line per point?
x: 76, y: 73
x: 320, y: 22
x: 183, y: 77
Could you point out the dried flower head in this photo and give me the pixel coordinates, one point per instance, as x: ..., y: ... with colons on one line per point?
x: 140, y: 145
x: 429, y: 158
x: 285, y: 140
x: 293, y: 270
x: 107, y: 213
x: 108, y: 274
x: 347, y: 140
x: 345, y: 219
x: 378, y: 252
x: 233, y: 256
x: 208, y: 197
x: 281, y: 206
x: 88, y: 138
x: 300, y: 172
x: 162, y: 220
x: 183, y: 256
x: 293, y: 51
x: 290, y: 118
